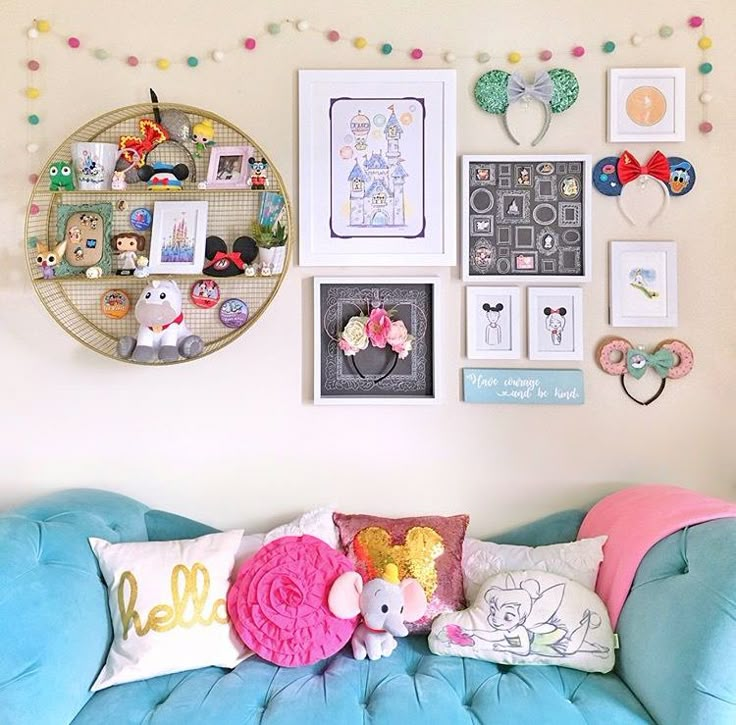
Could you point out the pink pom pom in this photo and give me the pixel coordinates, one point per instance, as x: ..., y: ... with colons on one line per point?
x: 132, y: 61
x: 34, y: 209
x: 333, y: 36
x: 545, y: 55
x: 33, y: 65
x: 417, y: 53
x: 73, y: 42
x: 706, y: 127
x: 33, y: 178
x: 696, y: 21
x: 578, y: 51
x: 249, y: 43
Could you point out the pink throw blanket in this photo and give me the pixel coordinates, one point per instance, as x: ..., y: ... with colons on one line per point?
x: 634, y: 520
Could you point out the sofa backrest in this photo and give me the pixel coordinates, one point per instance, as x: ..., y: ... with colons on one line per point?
x: 54, y: 623
x: 678, y: 627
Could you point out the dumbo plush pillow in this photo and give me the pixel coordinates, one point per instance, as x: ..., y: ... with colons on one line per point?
x: 426, y: 548
x: 530, y: 618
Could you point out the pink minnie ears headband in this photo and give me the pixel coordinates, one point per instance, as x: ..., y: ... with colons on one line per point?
x: 672, y: 360
x: 674, y: 175
x: 556, y: 90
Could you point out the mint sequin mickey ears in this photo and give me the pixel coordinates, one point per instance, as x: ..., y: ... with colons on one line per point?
x: 556, y: 90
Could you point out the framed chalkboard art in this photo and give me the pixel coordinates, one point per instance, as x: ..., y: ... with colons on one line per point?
x: 526, y: 216
x: 375, y: 340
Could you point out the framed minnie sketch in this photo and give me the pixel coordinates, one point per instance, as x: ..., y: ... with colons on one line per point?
x: 555, y: 323
x: 646, y: 105
x: 375, y: 340
x: 643, y: 284
x: 377, y: 168
x: 493, y: 323
x: 526, y: 216
x: 228, y: 167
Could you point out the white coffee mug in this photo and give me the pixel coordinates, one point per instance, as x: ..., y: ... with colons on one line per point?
x: 94, y: 164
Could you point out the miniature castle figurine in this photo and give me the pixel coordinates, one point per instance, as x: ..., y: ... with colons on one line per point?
x: 377, y: 187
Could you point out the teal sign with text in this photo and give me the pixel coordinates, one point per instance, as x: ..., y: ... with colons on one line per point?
x: 523, y: 387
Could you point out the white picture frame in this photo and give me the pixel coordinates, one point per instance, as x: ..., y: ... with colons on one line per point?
x: 493, y: 334
x: 555, y: 323
x: 352, y: 124
x: 646, y: 105
x: 432, y: 358
x: 643, y: 284
x: 569, y: 259
x: 188, y: 221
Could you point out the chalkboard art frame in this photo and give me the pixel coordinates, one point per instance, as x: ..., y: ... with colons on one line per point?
x: 375, y: 375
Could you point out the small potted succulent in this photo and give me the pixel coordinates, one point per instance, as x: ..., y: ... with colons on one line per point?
x: 271, y: 241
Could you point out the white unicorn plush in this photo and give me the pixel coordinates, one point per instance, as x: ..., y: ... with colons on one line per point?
x: 162, y: 334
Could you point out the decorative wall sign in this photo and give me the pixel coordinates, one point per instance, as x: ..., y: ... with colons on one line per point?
x: 523, y: 387
x: 643, y: 284
x: 646, y: 105
x: 555, y: 323
x: 375, y: 340
x: 526, y: 216
x: 377, y: 167
x: 493, y: 317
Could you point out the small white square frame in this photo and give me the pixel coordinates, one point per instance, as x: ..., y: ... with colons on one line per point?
x: 161, y: 212
x: 535, y: 295
x: 620, y: 287
x: 474, y: 296
x: 587, y: 176
x: 319, y: 399
x: 670, y: 82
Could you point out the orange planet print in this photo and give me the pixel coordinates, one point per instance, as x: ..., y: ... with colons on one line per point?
x: 646, y: 106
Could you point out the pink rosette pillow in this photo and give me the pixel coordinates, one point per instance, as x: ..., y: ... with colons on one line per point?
x: 278, y: 603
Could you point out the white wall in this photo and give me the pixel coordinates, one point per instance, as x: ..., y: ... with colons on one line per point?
x: 73, y: 418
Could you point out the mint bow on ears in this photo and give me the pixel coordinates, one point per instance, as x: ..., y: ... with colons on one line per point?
x: 661, y: 361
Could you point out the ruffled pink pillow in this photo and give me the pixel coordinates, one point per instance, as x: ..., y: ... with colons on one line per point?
x: 278, y: 603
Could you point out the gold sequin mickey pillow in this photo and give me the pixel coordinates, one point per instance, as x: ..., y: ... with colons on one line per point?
x: 426, y: 548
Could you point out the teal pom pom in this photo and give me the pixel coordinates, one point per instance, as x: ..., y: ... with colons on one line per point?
x: 491, y: 91
x: 566, y: 89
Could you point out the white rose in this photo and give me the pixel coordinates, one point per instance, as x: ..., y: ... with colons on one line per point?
x: 355, y: 335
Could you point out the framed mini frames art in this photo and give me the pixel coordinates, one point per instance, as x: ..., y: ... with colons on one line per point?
x: 377, y: 168
x: 375, y: 340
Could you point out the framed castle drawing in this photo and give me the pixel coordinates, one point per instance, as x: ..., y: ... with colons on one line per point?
x: 526, y: 216
x: 377, y: 168
x: 178, y: 237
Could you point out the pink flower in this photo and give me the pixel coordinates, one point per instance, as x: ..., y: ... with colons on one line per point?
x: 379, y: 327
x: 456, y: 635
x: 400, y: 339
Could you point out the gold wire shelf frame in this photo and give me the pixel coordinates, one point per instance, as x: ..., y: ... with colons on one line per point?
x: 75, y: 301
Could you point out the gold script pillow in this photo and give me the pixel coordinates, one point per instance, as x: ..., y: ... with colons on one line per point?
x: 168, y: 606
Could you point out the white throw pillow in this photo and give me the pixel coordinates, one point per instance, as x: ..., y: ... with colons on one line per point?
x: 168, y: 606
x: 530, y: 618
x: 577, y: 560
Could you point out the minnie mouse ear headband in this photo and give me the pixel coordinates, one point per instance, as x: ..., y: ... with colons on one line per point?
x: 556, y: 90
x: 675, y: 175
x: 671, y: 359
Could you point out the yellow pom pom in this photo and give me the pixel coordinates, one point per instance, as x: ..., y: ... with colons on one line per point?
x: 43, y: 26
x: 705, y: 42
x: 360, y: 42
x: 391, y: 573
x: 32, y: 92
x: 514, y: 57
x: 163, y: 63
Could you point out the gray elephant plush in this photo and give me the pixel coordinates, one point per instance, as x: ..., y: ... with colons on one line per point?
x: 384, y: 604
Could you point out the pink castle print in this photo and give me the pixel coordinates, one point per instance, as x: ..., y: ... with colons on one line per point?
x: 179, y: 245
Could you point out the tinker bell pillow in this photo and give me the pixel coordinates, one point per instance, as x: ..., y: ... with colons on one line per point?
x: 530, y: 618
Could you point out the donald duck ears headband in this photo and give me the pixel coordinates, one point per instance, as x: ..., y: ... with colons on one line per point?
x: 556, y: 90
x: 671, y: 360
x: 675, y: 176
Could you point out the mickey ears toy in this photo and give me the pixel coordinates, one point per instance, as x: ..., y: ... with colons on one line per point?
x: 222, y: 263
x: 671, y: 359
x: 675, y: 175
x: 556, y: 90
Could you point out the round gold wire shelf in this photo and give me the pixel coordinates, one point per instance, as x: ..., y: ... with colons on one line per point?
x: 75, y: 301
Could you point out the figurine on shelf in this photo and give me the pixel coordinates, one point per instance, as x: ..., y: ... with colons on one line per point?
x: 127, y: 246
x: 47, y: 258
x: 257, y: 178
x: 93, y: 272
x: 141, y: 267
x: 60, y: 176
x: 266, y: 270
x: 163, y: 177
x: 250, y: 270
x: 203, y: 136
x: 163, y: 334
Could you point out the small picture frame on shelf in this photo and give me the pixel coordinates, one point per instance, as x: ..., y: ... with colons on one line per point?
x: 178, y: 237
x: 375, y: 341
x: 643, y: 284
x: 555, y: 322
x: 646, y: 105
x: 228, y: 167
x: 493, y: 323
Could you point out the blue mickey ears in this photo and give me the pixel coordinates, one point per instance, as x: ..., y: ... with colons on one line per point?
x: 606, y: 178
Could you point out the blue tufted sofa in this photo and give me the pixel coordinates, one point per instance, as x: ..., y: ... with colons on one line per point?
x: 676, y: 665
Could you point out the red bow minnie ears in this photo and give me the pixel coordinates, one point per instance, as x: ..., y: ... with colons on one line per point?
x: 629, y: 168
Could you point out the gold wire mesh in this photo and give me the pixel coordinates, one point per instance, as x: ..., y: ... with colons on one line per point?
x: 75, y: 302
